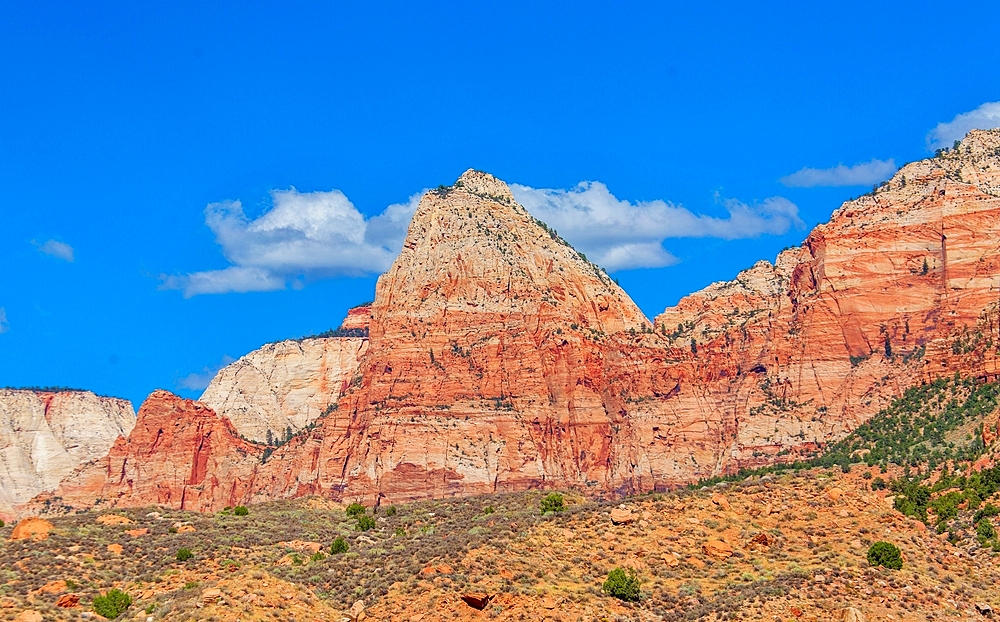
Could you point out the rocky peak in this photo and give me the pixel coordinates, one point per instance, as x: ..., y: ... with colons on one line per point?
x: 485, y: 185
x: 472, y: 248
x: 180, y: 454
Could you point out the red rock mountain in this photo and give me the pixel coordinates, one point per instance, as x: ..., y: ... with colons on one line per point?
x: 500, y: 359
x: 180, y: 454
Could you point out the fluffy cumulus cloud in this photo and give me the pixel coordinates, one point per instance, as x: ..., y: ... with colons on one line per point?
x: 861, y: 174
x: 54, y: 248
x: 199, y: 381
x: 4, y: 325
x: 620, y: 235
x: 985, y: 117
x: 304, y: 235
x: 313, y: 235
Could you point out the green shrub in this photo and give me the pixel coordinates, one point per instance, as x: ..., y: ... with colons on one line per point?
x: 365, y: 523
x: 986, y: 511
x: 985, y: 531
x: 488, y: 509
x: 112, y: 604
x: 621, y: 585
x: 355, y: 509
x: 2, y: 524
x: 184, y: 554
x: 553, y: 502
x: 390, y: 511
x: 317, y: 556
x: 885, y: 554
x: 339, y: 546
x: 241, y: 510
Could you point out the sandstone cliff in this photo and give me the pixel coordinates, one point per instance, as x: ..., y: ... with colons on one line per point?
x: 44, y: 435
x: 901, y: 285
x: 494, y: 346
x: 501, y: 359
x: 179, y: 455
x: 285, y: 386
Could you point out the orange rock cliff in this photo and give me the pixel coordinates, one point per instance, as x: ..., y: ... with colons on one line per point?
x: 498, y: 358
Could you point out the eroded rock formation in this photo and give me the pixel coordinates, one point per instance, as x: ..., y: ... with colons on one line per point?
x: 285, y: 386
x: 501, y: 359
x: 180, y: 454
x: 44, y: 435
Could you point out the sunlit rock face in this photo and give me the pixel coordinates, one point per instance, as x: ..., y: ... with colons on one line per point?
x: 285, y: 386
x: 44, y: 435
x: 498, y: 358
x: 180, y: 455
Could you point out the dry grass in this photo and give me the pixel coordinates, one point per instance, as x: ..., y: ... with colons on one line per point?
x: 419, y: 561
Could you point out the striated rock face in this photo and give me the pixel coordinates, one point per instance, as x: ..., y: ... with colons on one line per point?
x: 45, y: 435
x: 180, y: 455
x: 500, y: 359
x: 900, y: 286
x: 494, y: 346
x: 285, y: 386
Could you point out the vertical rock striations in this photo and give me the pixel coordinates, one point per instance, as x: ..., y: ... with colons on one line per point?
x: 900, y: 286
x: 285, y: 386
x: 500, y: 359
x: 179, y: 455
x: 44, y: 435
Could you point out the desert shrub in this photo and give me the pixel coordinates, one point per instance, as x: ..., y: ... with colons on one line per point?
x: 2, y: 524
x: 339, y: 546
x: 355, y: 509
x: 553, y: 502
x: 365, y: 523
x: 112, y: 604
x: 985, y: 531
x: 317, y: 556
x: 241, y: 510
x: 390, y: 511
x: 986, y: 511
x: 184, y: 554
x: 488, y: 509
x: 621, y: 585
x: 885, y: 554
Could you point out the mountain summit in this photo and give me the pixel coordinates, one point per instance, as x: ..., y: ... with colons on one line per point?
x: 497, y: 358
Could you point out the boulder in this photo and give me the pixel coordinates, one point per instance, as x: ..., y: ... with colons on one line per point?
x: 34, y: 528
x: 29, y: 616
x: 717, y: 549
x: 115, y: 549
x: 135, y: 533
x: 114, y: 519
x: 721, y: 501
x: 53, y: 587
x: 357, y: 611
x: 68, y: 601
x: 211, y: 595
x: 477, y: 600
x: 622, y: 516
x: 850, y: 614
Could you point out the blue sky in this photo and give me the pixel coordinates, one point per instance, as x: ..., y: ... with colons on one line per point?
x: 120, y: 124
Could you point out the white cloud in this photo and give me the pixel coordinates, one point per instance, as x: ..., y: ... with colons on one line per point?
x: 985, y: 117
x: 303, y: 235
x: 621, y: 235
x: 861, y: 174
x: 199, y: 381
x: 4, y: 324
x: 57, y: 249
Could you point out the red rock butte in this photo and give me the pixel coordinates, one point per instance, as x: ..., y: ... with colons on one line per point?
x: 498, y: 358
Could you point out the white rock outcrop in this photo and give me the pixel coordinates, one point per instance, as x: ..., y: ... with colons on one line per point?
x: 45, y: 435
x: 284, y: 385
